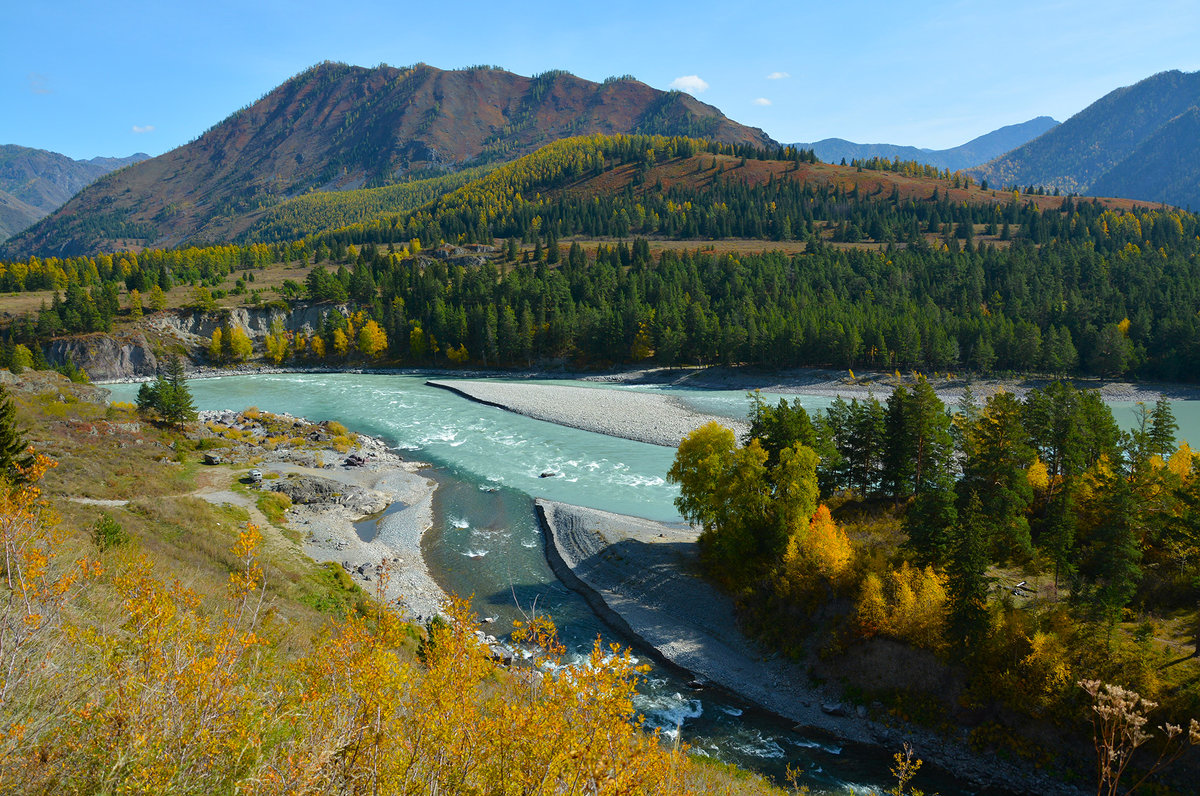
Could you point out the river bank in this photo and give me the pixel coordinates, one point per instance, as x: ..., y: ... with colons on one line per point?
x: 643, y: 577
x: 332, y: 488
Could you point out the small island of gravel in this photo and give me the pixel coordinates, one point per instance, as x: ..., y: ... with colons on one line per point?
x: 639, y: 416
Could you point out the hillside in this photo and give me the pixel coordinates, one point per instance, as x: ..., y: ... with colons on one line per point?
x: 1163, y: 168
x: 689, y: 189
x: 1076, y: 155
x: 973, y: 153
x: 338, y: 127
x: 33, y: 182
x: 218, y: 657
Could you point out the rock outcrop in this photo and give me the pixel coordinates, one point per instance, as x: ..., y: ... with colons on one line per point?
x: 196, y: 328
x: 308, y: 490
x: 105, y: 357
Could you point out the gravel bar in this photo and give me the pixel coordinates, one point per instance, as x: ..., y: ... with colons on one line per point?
x: 639, y: 416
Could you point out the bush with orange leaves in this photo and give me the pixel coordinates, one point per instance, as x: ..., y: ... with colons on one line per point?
x: 171, y: 696
x: 34, y: 591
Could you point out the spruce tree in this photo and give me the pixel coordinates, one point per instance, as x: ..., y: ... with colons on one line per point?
x: 13, y: 447
x: 966, y: 573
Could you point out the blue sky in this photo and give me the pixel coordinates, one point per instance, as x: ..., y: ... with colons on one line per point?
x: 87, y: 78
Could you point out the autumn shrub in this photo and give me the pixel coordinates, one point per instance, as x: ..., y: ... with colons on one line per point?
x: 908, y: 604
x: 168, y: 691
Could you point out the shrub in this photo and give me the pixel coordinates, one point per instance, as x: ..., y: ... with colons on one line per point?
x: 107, y: 533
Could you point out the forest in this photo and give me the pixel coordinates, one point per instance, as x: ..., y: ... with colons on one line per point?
x: 1006, y: 282
x: 1028, y: 544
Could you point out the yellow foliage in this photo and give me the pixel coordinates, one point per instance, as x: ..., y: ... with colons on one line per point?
x: 824, y: 548
x: 1181, y: 461
x: 341, y: 343
x: 643, y: 344
x: 317, y: 346
x: 1123, y: 327
x: 1038, y: 476
x: 173, y: 697
x: 910, y: 605
x: 372, y: 341
x: 1045, y: 672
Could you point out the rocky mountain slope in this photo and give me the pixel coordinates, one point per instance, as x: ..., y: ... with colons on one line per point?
x: 33, y: 182
x: 973, y: 153
x: 1124, y: 144
x: 337, y: 127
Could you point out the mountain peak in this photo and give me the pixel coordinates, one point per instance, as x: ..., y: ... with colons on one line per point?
x: 335, y: 126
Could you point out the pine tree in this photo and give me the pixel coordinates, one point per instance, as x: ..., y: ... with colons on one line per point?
x: 966, y: 573
x: 13, y: 447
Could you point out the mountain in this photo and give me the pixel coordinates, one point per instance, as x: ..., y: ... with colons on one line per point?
x: 1112, y: 134
x: 973, y: 153
x: 33, y: 182
x: 1164, y: 168
x: 339, y: 127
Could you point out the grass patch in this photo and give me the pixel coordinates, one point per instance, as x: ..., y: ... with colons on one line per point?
x: 274, y: 506
x: 329, y: 589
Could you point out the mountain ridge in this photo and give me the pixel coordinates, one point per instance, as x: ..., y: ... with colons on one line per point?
x: 975, y: 152
x: 337, y: 127
x: 34, y: 182
x: 1075, y: 156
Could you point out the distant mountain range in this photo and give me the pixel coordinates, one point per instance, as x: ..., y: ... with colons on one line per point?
x: 337, y: 127
x: 973, y: 153
x: 1138, y: 142
x: 34, y: 182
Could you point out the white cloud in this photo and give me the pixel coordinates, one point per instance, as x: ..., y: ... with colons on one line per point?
x: 762, y: 101
x: 777, y: 76
x: 39, y: 83
x: 689, y: 83
x: 143, y: 128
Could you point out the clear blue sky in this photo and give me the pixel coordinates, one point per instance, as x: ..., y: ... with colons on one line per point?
x: 86, y: 78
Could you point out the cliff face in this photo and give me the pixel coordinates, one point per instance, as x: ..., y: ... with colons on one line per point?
x: 105, y: 357
x: 115, y: 357
x: 196, y: 328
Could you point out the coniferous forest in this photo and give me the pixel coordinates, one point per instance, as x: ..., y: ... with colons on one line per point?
x: 995, y: 281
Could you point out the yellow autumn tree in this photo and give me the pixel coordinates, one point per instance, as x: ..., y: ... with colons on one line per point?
x: 341, y: 343
x: 1038, y: 476
x: 241, y: 346
x: 822, y: 549
x: 158, y: 299
x: 372, y: 341
x: 908, y: 604
x: 214, y: 345
x: 643, y: 343
x: 317, y: 345
x: 135, y: 303
x: 1181, y: 462
x: 276, y: 342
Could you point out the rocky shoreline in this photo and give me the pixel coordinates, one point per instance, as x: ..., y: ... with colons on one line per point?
x: 643, y: 578
x: 332, y: 491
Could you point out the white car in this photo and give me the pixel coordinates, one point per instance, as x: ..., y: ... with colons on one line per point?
x: 256, y: 476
